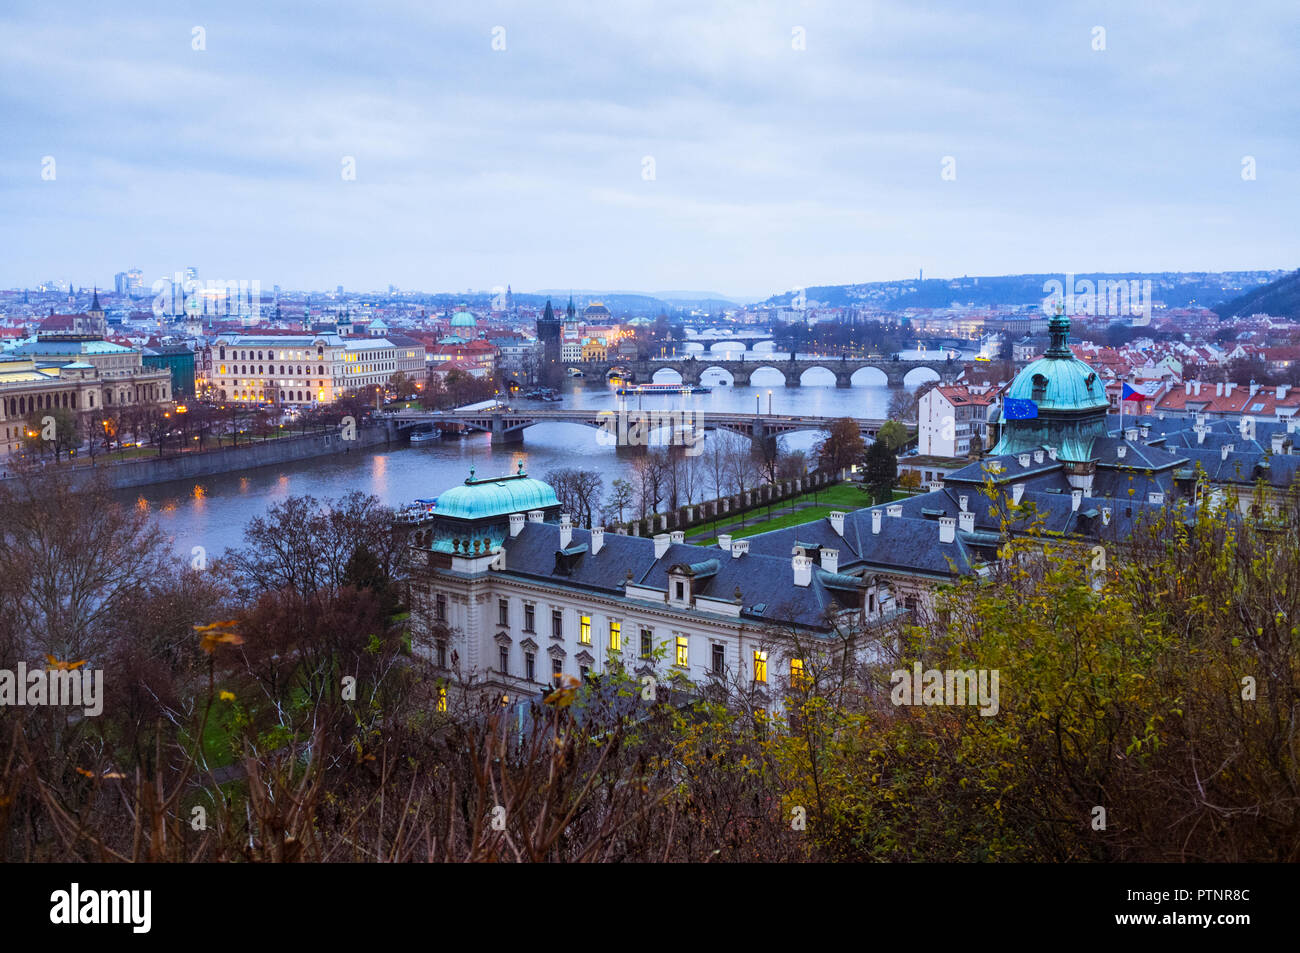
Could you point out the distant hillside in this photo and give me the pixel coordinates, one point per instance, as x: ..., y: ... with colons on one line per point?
x: 1175, y: 289
x: 1279, y: 298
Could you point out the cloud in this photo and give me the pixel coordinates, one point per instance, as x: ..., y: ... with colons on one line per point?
x: 774, y: 166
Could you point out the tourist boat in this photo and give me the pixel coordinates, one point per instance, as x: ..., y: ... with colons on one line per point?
x: 417, y: 511
x: 425, y: 436
x: 661, y: 389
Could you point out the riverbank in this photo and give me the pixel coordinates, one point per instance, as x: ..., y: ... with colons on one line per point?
x: 149, y: 471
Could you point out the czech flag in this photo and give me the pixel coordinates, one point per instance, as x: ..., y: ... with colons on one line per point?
x: 1132, y: 393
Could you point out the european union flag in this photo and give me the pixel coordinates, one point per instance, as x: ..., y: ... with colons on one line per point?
x: 1017, y: 409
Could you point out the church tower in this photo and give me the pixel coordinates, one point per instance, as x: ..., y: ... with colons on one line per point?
x: 548, y: 332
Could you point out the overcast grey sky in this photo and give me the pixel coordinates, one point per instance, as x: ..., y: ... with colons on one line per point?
x: 773, y: 166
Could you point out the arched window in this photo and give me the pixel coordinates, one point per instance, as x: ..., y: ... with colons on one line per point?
x: 1040, y: 387
x: 259, y: 368
x: 321, y: 370
x: 281, y: 370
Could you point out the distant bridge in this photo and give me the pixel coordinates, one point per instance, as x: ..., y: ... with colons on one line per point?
x: 508, y: 426
x: 691, y: 368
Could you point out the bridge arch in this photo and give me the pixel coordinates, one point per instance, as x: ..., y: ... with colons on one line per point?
x: 717, y: 375
x: 667, y: 375
x: 920, y: 375
x: 817, y: 376
x: 723, y: 346
x: 765, y: 375
x: 869, y: 377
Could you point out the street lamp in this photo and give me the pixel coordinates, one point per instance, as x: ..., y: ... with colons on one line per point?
x: 769, y: 403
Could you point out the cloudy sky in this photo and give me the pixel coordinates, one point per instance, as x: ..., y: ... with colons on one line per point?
x: 743, y: 148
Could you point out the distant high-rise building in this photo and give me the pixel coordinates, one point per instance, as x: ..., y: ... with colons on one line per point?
x: 339, y: 290
x: 191, y: 273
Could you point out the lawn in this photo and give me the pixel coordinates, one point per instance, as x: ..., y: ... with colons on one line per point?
x: 842, y: 496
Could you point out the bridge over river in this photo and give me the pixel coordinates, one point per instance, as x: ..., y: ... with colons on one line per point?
x: 691, y: 368
x: 622, y: 427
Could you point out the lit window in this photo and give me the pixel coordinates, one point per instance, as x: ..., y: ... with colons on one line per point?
x: 442, y: 698
x: 760, y: 666
x: 584, y: 630
x: 615, y: 636
x: 797, y: 677
x: 647, y: 643
x: 683, y: 651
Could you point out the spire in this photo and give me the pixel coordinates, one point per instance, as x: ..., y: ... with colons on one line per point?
x: 549, y: 313
x: 1059, y: 329
x: 94, y: 305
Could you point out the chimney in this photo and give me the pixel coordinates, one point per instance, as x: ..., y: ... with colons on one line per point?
x: 1224, y: 451
x: 1254, y: 388
x: 724, y: 542
x: 962, y: 501
x: 1200, y: 420
x: 1051, y: 453
x: 1227, y: 389
x: 1200, y: 435
x: 1277, y: 442
x: 831, y: 560
x: 802, y: 570
x: 1130, y: 433
x: 661, y: 544
x: 936, y: 485
x: 1076, y: 500
x: 1218, y: 389
x: 1198, y: 388
x: 837, y: 522
x: 1024, y: 459
x: 1281, y: 390
x: 966, y: 521
x: 875, y: 521
x: 1038, y: 456
x: 894, y: 509
x: 1157, y: 498
x: 677, y: 536
x: 566, y: 531
x: 1146, y: 431
x: 739, y: 547
x: 535, y: 516
x: 1105, y: 516
x: 947, y: 529
x: 1160, y: 415
x: 597, y: 539
x: 517, y: 521
x: 1017, y: 491
x: 1244, y: 426
x: 1188, y: 388
x: 1121, y: 451
x: 1291, y: 424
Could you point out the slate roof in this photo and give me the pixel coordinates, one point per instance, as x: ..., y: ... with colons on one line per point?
x: 766, y: 581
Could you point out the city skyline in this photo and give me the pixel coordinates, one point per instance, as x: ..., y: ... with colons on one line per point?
x: 791, y: 144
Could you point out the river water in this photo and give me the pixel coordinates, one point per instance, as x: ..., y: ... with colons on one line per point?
x: 212, y: 512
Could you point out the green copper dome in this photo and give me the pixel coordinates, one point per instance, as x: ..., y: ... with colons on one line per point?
x: 1056, y: 383
x: 495, y: 497
x: 463, y: 319
x: 1069, y: 400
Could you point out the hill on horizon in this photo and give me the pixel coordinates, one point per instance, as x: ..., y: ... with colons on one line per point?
x: 1280, y: 298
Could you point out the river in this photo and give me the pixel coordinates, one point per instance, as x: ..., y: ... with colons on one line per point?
x: 213, y: 511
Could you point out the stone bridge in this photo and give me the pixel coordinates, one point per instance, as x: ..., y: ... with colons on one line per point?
x: 622, y: 427
x: 691, y: 368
